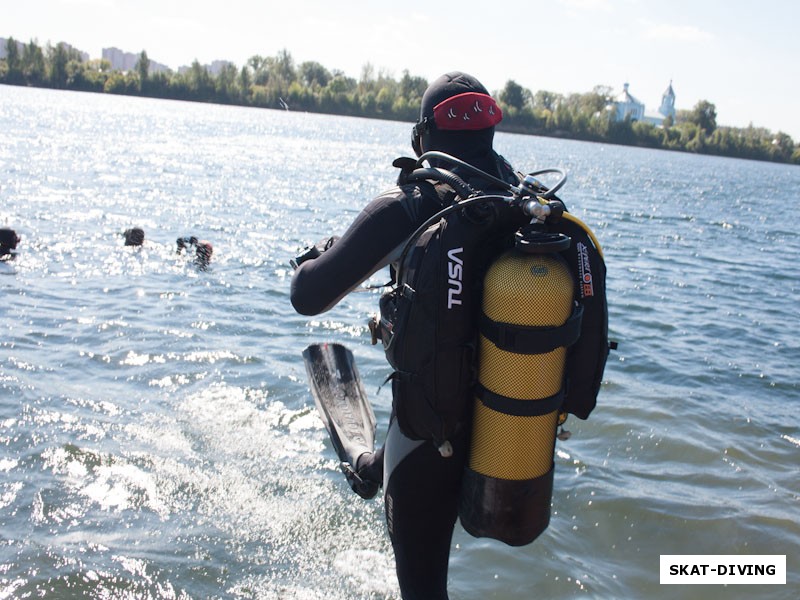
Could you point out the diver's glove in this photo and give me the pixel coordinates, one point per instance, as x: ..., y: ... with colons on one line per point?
x: 314, y: 251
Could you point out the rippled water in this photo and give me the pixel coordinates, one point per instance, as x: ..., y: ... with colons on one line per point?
x: 157, y: 435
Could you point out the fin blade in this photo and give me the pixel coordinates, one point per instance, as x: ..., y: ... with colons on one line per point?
x: 341, y: 400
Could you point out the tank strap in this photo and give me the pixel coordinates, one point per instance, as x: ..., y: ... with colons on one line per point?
x: 520, y: 339
x: 519, y: 408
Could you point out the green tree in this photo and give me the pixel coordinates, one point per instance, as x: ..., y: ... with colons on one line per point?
x: 368, y: 104
x: 76, y: 76
x: 605, y: 91
x: 385, y: 100
x: 781, y: 147
x: 341, y: 84
x: 226, y: 83
x: 119, y: 83
x: 283, y: 66
x: 545, y: 100
x: 313, y: 74
x: 594, y: 102
x: 704, y: 115
x: 33, y: 64
x: 514, y: 95
x: 258, y: 64
x: 159, y: 85
x: 143, y: 69
x: 698, y: 142
x: 245, y: 83
x: 300, y: 96
x: 265, y: 81
x: 412, y: 88
x: 621, y: 132
x: 57, y: 64
x: 367, y: 80
x: 13, y: 61
x: 198, y: 82
x: 94, y: 74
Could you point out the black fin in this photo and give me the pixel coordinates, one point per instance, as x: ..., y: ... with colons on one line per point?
x: 341, y: 400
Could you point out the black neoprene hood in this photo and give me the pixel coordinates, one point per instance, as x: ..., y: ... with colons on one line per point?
x: 448, y: 85
x: 474, y: 146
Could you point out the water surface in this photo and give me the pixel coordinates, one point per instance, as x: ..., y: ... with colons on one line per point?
x: 158, y: 437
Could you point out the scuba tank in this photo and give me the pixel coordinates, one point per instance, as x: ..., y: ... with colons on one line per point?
x: 532, y: 312
x: 529, y: 319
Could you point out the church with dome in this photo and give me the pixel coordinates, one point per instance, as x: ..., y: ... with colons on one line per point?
x: 626, y: 106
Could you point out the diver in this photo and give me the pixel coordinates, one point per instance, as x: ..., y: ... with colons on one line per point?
x: 203, y: 250
x: 421, y: 486
x: 8, y: 242
x: 134, y: 236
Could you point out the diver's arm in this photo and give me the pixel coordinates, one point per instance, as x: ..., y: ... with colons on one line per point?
x: 367, y: 246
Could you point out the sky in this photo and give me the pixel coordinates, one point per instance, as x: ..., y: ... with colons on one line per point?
x: 742, y: 56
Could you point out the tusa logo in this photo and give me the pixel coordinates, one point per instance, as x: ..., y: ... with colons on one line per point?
x: 455, y: 273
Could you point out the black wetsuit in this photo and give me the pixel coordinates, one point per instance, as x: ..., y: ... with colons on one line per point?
x: 369, y: 244
x: 421, y: 488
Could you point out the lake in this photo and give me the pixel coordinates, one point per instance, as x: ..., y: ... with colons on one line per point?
x: 158, y: 439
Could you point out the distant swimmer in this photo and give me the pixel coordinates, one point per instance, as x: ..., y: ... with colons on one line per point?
x: 134, y: 236
x: 203, y: 250
x: 8, y: 242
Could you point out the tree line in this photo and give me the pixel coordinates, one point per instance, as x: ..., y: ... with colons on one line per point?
x: 278, y: 82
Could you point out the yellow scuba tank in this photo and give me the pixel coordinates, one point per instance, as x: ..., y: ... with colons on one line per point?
x: 529, y: 319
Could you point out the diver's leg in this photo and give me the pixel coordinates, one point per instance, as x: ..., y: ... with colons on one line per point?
x: 421, y: 497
